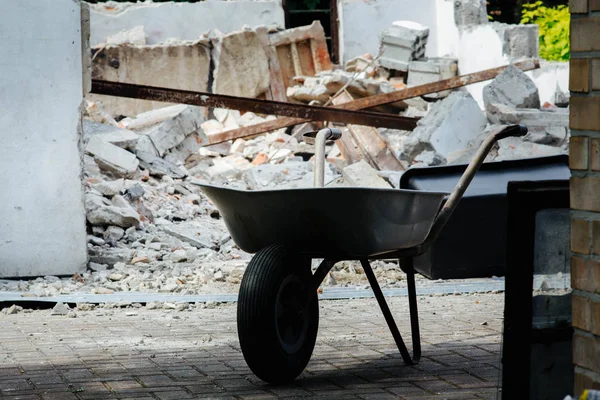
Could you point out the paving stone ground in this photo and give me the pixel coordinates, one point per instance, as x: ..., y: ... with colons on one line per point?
x: 157, y: 354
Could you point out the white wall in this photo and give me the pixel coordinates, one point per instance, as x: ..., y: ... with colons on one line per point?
x: 480, y: 48
x: 42, y: 217
x: 186, y: 21
x: 362, y: 22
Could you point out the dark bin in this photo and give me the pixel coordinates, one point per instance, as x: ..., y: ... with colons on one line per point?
x: 473, y: 243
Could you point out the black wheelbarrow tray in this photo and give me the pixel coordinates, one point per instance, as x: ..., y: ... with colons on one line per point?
x: 278, y: 313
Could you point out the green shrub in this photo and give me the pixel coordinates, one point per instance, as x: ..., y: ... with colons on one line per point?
x: 554, y: 23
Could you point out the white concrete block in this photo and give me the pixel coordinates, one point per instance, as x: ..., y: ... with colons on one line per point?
x: 432, y: 70
x: 361, y: 174
x: 42, y: 218
x: 111, y: 158
x: 512, y: 88
x: 173, y: 131
x: 449, y: 127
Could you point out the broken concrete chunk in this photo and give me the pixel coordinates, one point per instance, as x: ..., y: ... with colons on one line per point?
x: 112, y: 215
x: 401, y: 43
x: 512, y: 88
x: 432, y: 70
x: 173, y: 131
x: 111, y: 158
x: 156, y: 166
x: 112, y: 234
x: 502, y: 114
x: 238, y: 146
x: 95, y: 110
x: 450, y: 125
x: 429, y: 158
x: 100, y: 211
x: 123, y: 138
x: 110, y: 188
x: 60, y: 309
x: 361, y: 174
x: 241, y: 65
x: 152, y: 117
x: 134, y: 36
x: 288, y: 175
x: 516, y: 149
x: 470, y: 12
x: 518, y: 41
x: 190, y: 145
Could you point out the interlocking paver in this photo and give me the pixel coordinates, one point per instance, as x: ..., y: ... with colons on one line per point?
x: 158, y: 354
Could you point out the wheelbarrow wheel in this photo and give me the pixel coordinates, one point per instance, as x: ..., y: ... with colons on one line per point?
x: 278, y: 316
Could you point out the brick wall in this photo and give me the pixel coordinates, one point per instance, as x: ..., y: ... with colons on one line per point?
x: 585, y: 191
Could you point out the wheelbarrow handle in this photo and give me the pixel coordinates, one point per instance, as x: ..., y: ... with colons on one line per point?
x: 501, y: 132
x: 319, y: 138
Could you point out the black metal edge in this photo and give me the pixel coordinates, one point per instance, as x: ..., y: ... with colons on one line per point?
x: 525, y: 199
x: 491, y: 166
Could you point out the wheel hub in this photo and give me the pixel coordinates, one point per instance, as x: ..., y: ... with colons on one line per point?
x: 292, y: 314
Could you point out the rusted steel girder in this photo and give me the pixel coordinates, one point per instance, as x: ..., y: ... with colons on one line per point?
x: 300, y: 111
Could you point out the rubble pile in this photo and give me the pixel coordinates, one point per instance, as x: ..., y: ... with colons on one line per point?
x: 150, y: 228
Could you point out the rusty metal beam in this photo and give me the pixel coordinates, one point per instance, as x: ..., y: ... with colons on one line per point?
x: 377, y: 100
x: 303, y: 111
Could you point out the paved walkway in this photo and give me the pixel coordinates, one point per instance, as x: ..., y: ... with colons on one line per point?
x: 133, y: 353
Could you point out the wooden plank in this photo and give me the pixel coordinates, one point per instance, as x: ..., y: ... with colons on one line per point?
x: 369, y: 140
x: 348, y: 149
x: 381, y: 99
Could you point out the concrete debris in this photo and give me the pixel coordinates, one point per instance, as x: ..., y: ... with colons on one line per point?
x: 325, y: 84
x: 134, y: 36
x: 429, y: 158
x: 403, y: 42
x: 159, y: 167
x: 448, y: 127
x: 14, y: 309
x: 519, y: 41
x: 123, y: 138
x: 517, y: 148
x: 363, y: 64
x: 470, y: 12
x: 152, y: 117
x: 174, y: 130
x: 60, y: 309
x: 240, y: 54
x: 361, y: 174
x: 101, y: 211
x: 432, y: 70
x: 112, y: 159
x: 151, y: 229
x: 512, y: 88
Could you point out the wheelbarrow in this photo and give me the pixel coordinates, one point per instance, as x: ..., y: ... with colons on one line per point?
x: 278, y: 312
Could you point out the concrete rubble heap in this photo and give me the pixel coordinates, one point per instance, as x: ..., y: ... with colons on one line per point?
x: 151, y: 229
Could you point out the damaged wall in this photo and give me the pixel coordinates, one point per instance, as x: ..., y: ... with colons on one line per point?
x: 181, y: 65
x: 362, y: 23
x: 185, y: 21
x: 42, y: 218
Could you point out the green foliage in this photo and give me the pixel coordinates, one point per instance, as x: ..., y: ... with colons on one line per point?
x: 554, y: 23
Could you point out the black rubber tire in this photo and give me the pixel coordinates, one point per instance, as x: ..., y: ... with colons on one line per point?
x: 273, y: 277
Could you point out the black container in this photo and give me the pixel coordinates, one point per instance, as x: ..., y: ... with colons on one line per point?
x: 473, y: 243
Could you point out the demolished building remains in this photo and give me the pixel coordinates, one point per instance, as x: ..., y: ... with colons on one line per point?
x: 149, y: 228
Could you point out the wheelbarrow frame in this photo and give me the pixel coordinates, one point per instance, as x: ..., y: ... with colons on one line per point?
x: 405, y: 255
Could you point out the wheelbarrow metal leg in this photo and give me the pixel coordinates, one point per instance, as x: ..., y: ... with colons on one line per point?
x: 387, y: 314
x: 407, y: 266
